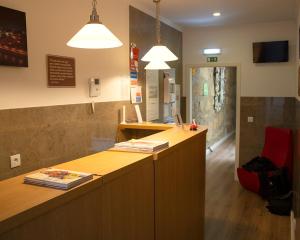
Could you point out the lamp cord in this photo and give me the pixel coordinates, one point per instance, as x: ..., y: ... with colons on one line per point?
x: 158, y: 38
x: 94, y: 18
x: 94, y: 4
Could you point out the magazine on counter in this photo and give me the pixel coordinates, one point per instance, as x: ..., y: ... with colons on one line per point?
x: 57, y: 178
x: 147, y: 146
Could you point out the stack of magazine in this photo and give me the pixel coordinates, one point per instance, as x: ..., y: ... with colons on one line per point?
x: 57, y: 178
x: 146, y: 146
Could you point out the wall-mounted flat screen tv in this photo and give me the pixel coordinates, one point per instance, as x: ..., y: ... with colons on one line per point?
x: 13, y: 38
x: 271, y: 52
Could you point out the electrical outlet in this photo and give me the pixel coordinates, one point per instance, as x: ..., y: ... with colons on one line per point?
x: 250, y: 119
x: 15, y: 161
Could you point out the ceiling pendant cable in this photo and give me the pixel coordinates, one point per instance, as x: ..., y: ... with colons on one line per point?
x: 158, y: 53
x: 158, y: 39
x: 94, y: 17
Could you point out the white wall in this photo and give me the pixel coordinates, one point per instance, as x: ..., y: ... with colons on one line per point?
x: 50, y: 24
x: 275, y: 79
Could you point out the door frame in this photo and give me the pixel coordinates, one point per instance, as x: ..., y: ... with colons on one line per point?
x: 188, y: 91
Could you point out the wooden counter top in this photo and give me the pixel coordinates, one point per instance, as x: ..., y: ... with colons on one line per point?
x: 107, y: 164
x: 175, y: 136
x: 179, y: 174
x: 20, y: 202
x: 172, y: 133
x: 146, y: 126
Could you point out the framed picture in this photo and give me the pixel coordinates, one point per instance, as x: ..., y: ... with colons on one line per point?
x: 13, y: 38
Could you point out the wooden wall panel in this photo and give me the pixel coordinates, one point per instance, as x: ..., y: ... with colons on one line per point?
x: 128, y: 205
x: 180, y: 192
x: 77, y: 220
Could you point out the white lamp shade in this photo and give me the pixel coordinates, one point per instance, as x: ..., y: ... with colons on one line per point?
x: 159, y: 53
x: 94, y: 36
x: 157, y: 65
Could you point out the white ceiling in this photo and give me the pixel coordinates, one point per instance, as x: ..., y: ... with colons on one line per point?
x: 199, y: 12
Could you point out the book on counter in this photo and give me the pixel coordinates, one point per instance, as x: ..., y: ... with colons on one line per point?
x: 146, y: 146
x: 57, y: 178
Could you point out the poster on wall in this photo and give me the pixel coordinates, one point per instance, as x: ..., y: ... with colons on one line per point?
x: 61, y: 71
x: 178, y: 98
x: 136, y: 95
x: 219, y: 84
x: 13, y: 38
x: 169, y: 94
x: 134, y: 64
x: 152, y: 95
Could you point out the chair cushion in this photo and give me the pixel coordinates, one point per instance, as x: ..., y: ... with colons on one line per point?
x: 278, y: 147
x: 249, y: 180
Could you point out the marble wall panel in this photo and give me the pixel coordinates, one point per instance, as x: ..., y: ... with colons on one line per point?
x: 45, y: 136
x: 267, y: 111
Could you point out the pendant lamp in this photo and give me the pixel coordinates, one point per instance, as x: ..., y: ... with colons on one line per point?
x: 156, y: 64
x: 94, y: 35
x: 159, y: 53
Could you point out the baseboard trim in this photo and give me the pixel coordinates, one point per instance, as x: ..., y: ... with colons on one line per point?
x: 293, y: 225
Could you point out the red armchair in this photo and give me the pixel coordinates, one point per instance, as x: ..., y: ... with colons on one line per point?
x: 278, y: 149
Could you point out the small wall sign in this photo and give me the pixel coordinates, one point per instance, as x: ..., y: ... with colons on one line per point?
x: 61, y: 71
x: 212, y: 59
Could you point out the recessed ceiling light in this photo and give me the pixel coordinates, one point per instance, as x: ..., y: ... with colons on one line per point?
x: 217, y: 14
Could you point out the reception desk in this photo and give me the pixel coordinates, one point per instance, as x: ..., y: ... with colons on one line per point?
x: 132, y: 196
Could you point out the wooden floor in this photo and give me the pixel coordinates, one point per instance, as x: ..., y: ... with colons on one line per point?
x: 233, y: 213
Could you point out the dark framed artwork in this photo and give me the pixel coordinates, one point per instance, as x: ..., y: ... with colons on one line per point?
x: 13, y: 38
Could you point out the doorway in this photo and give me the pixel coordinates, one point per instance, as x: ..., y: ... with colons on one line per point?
x: 213, y: 94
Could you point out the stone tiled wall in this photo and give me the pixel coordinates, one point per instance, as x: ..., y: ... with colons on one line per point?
x: 45, y: 136
x: 267, y: 111
x: 270, y: 111
x: 220, y: 123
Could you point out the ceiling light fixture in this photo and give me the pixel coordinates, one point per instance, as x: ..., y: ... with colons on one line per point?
x: 94, y: 35
x: 156, y: 64
x: 158, y: 54
x: 217, y: 14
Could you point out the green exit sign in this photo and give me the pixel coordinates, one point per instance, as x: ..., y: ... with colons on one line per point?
x: 212, y: 59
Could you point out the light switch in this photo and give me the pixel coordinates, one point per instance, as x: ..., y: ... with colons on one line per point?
x: 250, y: 119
